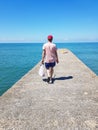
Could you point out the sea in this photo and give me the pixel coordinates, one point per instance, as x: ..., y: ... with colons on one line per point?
x: 16, y: 59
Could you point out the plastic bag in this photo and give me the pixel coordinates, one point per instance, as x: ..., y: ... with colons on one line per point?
x: 42, y: 70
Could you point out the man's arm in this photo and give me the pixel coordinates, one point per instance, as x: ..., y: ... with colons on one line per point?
x: 57, y: 60
x: 43, y: 56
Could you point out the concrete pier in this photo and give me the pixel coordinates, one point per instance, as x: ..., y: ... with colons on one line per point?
x: 70, y: 103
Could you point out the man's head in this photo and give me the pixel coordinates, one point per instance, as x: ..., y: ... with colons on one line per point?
x: 50, y: 38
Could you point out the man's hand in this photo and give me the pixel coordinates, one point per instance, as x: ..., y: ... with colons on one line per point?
x: 57, y: 61
x: 42, y: 61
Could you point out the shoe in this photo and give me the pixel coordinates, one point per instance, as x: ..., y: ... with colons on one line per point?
x: 48, y: 79
x: 50, y: 82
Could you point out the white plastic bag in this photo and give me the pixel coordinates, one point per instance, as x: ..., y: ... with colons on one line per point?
x: 42, y: 70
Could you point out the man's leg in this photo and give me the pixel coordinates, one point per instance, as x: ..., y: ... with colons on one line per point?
x: 51, y: 74
x: 50, y: 71
x: 48, y: 74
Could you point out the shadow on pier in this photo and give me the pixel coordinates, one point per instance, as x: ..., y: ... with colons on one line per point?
x: 60, y: 78
x: 63, y: 78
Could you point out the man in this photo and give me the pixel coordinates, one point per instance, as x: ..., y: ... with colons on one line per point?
x: 49, y: 57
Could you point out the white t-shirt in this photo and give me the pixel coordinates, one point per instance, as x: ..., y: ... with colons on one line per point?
x: 50, y: 52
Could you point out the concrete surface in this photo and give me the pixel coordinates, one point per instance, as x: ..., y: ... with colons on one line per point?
x: 70, y: 103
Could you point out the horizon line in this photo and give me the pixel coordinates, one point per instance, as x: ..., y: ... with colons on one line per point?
x: 53, y: 42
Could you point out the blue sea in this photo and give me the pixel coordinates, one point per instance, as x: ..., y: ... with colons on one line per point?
x: 16, y: 59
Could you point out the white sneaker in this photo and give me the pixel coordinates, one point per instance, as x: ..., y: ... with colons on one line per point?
x: 50, y: 81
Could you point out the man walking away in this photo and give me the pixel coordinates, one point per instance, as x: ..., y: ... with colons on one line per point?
x: 49, y: 57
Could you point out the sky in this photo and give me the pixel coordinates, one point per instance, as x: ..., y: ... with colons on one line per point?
x: 34, y: 20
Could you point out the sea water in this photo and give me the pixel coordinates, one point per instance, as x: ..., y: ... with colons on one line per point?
x: 16, y: 59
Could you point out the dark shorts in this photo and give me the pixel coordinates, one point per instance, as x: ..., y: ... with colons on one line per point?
x: 48, y: 65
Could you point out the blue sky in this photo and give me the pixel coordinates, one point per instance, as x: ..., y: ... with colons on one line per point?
x: 33, y: 20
